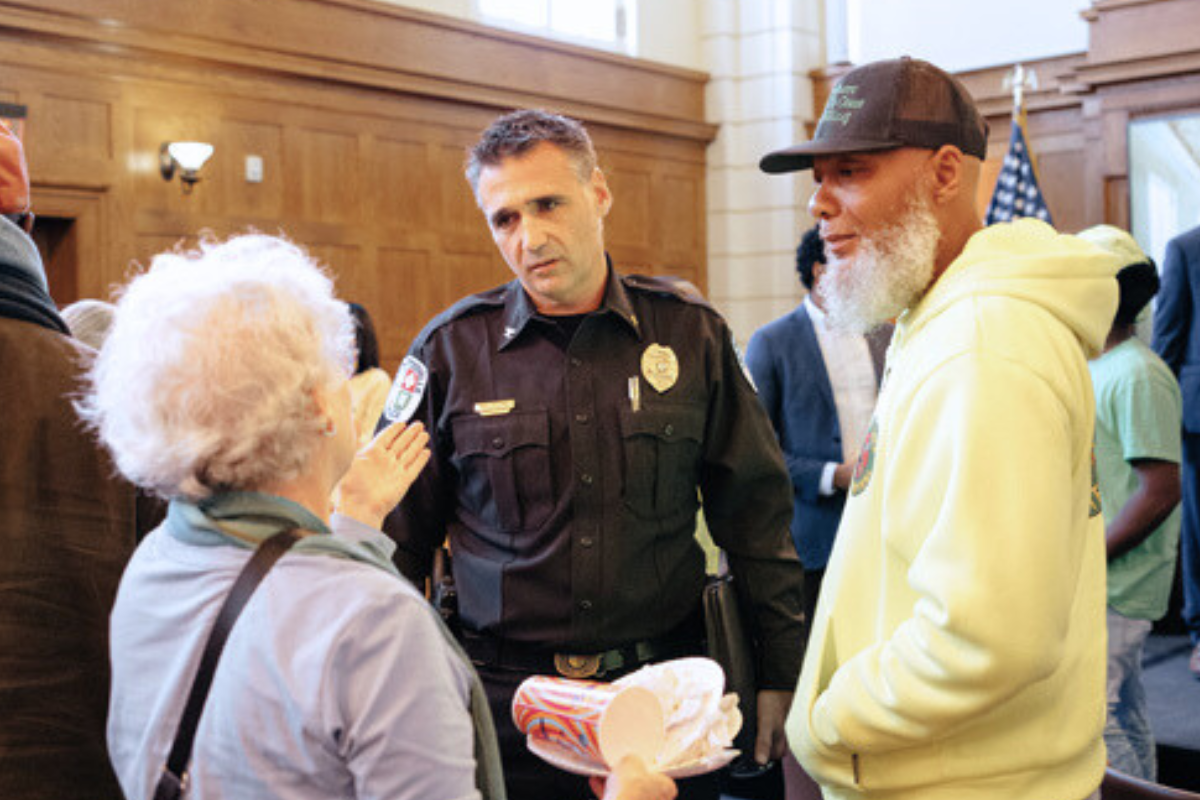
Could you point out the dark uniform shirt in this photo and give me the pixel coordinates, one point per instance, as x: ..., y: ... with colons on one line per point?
x: 570, y: 497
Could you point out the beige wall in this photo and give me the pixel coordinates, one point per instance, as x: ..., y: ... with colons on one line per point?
x: 463, y: 9
x: 668, y: 30
x: 983, y: 33
x: 759, y: 53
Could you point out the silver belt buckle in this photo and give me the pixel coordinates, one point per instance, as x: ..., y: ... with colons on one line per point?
x: 576, y: 666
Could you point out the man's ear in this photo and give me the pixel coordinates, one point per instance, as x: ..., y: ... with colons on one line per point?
x: 946, y: 170
x: 603, y: 193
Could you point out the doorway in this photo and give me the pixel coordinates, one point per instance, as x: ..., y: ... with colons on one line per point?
x: 67, y: 230
x: 57, y: 241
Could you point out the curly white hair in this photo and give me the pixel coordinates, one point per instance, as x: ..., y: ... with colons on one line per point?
x: 206, y: 380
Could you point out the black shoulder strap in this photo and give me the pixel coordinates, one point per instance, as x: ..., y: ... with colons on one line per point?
x: 173, y: 781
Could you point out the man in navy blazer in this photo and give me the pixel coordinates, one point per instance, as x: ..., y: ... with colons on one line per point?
x: 819, y: 387
x: 1177, y: 342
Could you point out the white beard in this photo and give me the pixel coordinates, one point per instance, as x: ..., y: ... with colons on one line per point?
x: 889, y: 272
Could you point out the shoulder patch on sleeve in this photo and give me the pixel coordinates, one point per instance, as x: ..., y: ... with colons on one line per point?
x: 407, y: 390
x: 741, y: 357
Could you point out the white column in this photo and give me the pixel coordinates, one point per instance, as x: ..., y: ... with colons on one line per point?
x: 759, y: 53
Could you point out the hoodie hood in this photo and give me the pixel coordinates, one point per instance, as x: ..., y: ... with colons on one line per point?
x: 23, y: 290
x: 18, y: 251
x: 1027, y: 260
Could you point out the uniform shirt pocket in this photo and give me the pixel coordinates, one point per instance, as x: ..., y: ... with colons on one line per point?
x: 504, y: 466
x: 662, y: 445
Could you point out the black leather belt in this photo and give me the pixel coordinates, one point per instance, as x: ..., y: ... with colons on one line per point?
x: 492, y: 651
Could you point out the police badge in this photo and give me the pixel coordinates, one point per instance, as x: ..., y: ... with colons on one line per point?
x: 660, y: 367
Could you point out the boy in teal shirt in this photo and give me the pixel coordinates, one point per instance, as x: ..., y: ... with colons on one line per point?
x: 1138, y: 416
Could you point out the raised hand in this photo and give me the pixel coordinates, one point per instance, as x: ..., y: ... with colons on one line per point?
x: 381, y: 473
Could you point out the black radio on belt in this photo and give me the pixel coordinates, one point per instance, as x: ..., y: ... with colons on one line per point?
x: 442, y: 593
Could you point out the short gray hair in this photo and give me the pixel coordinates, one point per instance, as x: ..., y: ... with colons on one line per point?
x: 89, y: 321
x: 518, y: 132
x: 205, y: 381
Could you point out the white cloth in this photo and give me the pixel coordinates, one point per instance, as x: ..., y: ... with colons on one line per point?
x: 852, y: 378
x: 335, y: 682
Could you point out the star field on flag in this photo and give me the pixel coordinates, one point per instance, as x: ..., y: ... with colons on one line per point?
x: 1017, y: 192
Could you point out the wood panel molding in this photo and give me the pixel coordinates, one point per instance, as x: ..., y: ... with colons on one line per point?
x: 380, y: 46
x: 1139, y: 33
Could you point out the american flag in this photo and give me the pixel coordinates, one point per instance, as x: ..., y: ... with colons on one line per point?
x: 1017, y: 193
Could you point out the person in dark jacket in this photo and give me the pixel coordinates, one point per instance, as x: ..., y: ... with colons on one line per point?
x: 67, y: 524
x: 1177, y: 342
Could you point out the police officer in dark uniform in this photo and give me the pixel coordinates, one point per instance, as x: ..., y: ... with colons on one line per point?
x: 578, y: 419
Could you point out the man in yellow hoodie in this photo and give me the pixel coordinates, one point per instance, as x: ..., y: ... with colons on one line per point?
x: 958, y: 647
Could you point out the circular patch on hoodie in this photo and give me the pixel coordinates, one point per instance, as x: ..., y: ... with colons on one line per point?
x: 865, y: 466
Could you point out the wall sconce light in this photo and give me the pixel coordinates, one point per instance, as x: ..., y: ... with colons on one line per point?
x: 186, y: 158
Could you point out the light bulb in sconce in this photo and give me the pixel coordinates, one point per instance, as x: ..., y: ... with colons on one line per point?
x: 186, y: 158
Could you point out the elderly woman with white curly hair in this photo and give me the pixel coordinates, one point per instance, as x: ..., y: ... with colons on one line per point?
x: 223, y: 387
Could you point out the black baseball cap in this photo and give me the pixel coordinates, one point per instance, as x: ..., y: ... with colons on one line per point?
x: 902, y: 102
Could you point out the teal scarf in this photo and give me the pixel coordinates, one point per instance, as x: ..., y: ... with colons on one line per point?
x: 246, y: 519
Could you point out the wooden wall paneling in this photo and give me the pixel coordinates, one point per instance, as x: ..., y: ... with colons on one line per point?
x: 1059, y: 147
x: 382, y: 45
x: 72, y: 193
x: 80, y: 127
x: 70, y: 232
x: 321, y: 175
x: 630, y: 225
x: 352, y: 268
x: 403, y: 193
x: 76, y: 116
x: 662, y: 230
x: 148, y: 245
x: 410, y: 287
x: 1141, y: 30
x: 685, y: 239
x: 362, y: 157
x: 154, y: 124
x: 236, y: 140
x: 462, y: 225
x: 466, y: 274
x: 1092, y: 130
x: 1117, y: 201
x: 1062, y: 173
x: 1114, y: 148
x: 342, y: 260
